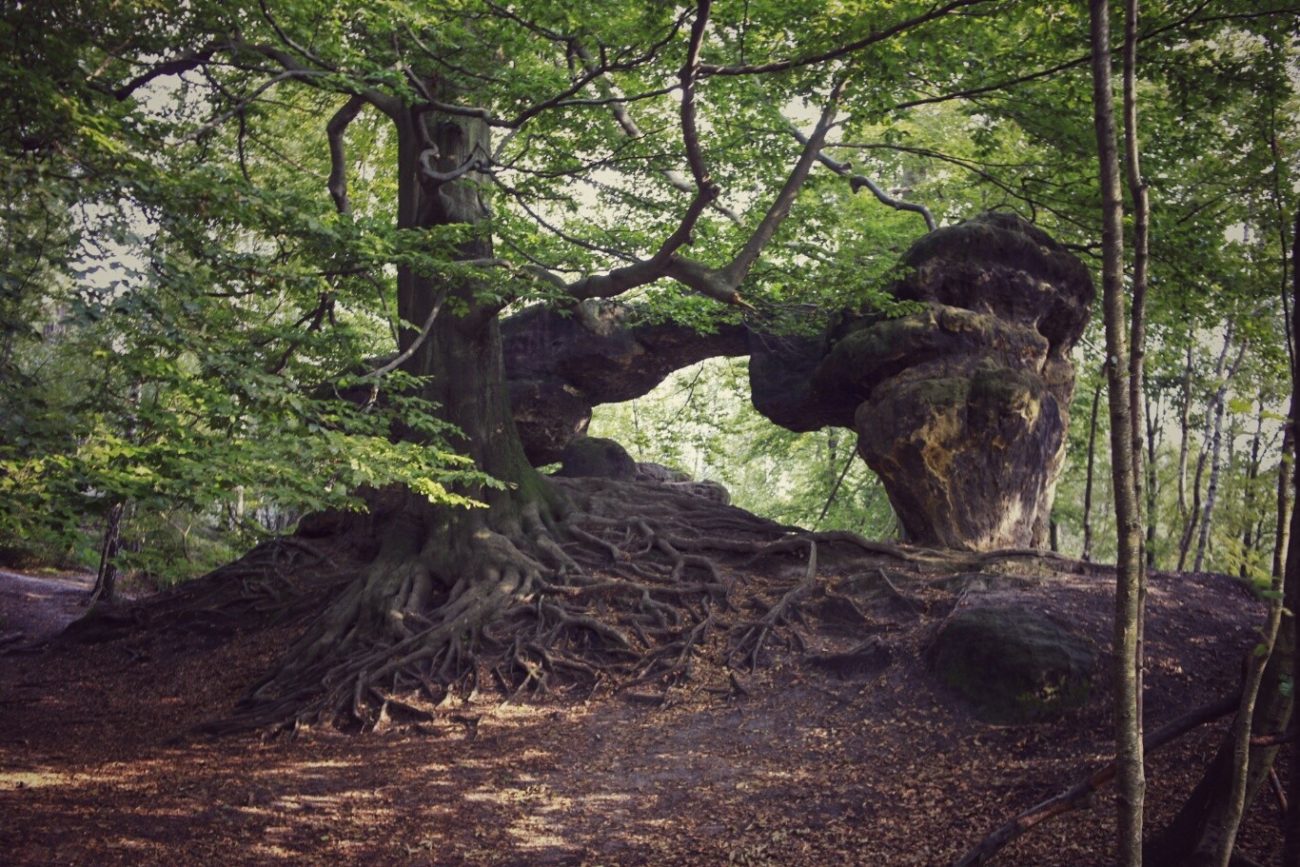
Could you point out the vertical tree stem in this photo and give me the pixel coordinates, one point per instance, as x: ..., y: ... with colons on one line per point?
x: 1128, y: 721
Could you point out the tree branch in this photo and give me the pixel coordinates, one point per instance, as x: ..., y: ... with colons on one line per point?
x: 337, y: 126
x: 287, y: 40
x: 1080, y: 794
x: 843, y: 50
x: 425, y: 331
x: 175, y: 66
x: 617, y: 103
x: 780, y: 208
x: 857, y: 182
x: 688, y: 74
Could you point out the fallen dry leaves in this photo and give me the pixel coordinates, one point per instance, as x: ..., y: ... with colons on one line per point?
x: 789, y: 765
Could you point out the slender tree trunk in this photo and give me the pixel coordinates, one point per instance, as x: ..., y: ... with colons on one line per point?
x: 105, y: 589
x: 1284, y: 501
x: 1192, y: 516
x: 1222, y: 831
x: 832, y: 458
x: 1248, y: 537
x: 1154, y: 427
x: 1291, y: 850
x: 1128, y: 595
x: 1139, y: 194
x: 1216, y: 451
x: 1087, y: 488
x: 1203, y: 830
x: 1184, y: 430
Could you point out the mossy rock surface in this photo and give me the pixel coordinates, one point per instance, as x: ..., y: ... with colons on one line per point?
x: 1013, y: 665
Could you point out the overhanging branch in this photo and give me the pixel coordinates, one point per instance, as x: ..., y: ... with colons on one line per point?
x: 857, y: 182
x: 338, y: 179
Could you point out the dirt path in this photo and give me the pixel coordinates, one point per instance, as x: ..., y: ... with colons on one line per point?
x: 36, y: 607
x: 801, y: 769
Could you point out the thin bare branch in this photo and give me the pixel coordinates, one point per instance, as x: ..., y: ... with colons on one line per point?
x: 1080, y: 794
x: 425, y: 330
x: 857, y: 182
x: 290, y: 42
x: 780, y: 208
x: 843, y: 50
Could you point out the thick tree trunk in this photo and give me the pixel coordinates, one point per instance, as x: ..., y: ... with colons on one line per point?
x: 437, y: 574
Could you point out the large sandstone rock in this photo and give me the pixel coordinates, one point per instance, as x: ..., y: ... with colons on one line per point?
x: 562, y: 363
x: 597, y: 457
x: 1012, y: 664
x: 961, y: 407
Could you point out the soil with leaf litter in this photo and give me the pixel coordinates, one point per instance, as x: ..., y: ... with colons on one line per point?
x: 801, y: 727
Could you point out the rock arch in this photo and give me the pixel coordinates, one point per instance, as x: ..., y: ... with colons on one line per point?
x: 960, y: 407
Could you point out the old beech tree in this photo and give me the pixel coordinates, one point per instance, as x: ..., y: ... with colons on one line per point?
x: 466, y: 157
x: 490, y: 111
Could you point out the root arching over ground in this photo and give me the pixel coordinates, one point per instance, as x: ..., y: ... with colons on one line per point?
x: 620, y: 590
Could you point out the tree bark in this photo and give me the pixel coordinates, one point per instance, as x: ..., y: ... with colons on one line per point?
x: 1086, y: 556
x: 1216, y: 452
x: 1283, y: 498
x: 1248, y: 537
x: 1193, y: 514
x: 105, y: 589
x: 1137, y: 341
x: 1184, y: 431
x: 1128, y: 595
x: 1154, y: 428
x: 1291, y: 849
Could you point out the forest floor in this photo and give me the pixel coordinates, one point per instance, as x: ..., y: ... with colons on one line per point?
x: 790, y: 764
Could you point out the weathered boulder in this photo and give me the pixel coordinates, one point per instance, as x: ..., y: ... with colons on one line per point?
x: 651, y: 472
x: 561, y: 363
x: 597, y: 457
x: 960, y: 407
x: 968, y: 429
x: 549, y: 415
x: 1013, y: 665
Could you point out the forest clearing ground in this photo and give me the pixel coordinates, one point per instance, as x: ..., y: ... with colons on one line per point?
x: 36, y: 607
x: 789, y: 765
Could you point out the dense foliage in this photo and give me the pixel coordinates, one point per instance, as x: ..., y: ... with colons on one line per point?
x: 183, y: 306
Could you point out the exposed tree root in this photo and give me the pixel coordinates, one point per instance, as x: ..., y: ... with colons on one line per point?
x: 751, y: 642
x: 623, y: 589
